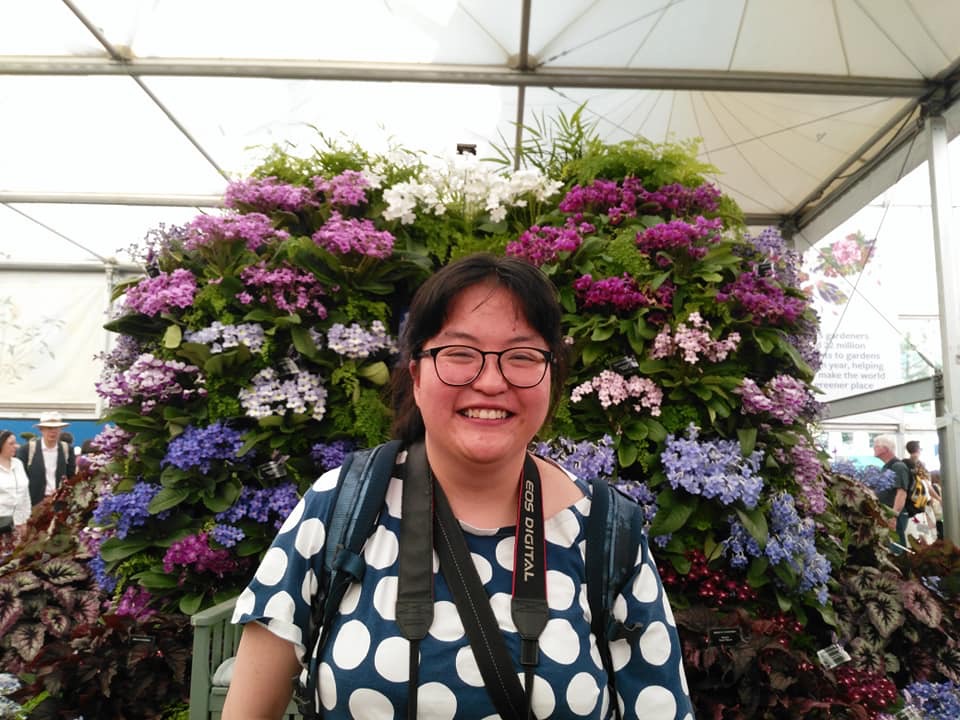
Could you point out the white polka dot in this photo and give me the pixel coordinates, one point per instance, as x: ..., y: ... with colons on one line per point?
x: 351, y: 598
x: 311, y: 535
x: 392, y: 659
x: 327, y: 481
x: 280, y: 606
x: 560, y: 590
x: 683, y: 678
x: 640, y: 557
x: 245, y: 603
x: 381, y: 549
x: 668, y: 611
x: 385, y: 598
x: 559, y: 641
x: 436, y: 563
x: 585, y: 603
x: 394, y: 498
x: 292, y: 519
x: 351, y: 645
x: 272, y: 567
x: 583, y: 550
x: 563, y: 528
x: 655, y: 644
x: 583, y: 693
x: 309, y: 586
x: 437, y: 701
x: 328, y: 686
x: 619, y: 653
x: 483, y: 566
x: 605, y: 707
x: 467, y: 668
x: 655, y: 703
x: 645, y: 585
x: 595, y: 653
x: 619, y: 609
x: 446, y: 622
x: 504, y: 553
x: 544, y: 701
x: 284, y: 628
x: 370, y: 705
x: 500, y: 602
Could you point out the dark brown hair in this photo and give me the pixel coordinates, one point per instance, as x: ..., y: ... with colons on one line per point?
x: 4, y: 434
x: 535, y: 295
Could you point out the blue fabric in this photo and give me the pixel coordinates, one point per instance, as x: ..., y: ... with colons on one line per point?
x: 363, y: 670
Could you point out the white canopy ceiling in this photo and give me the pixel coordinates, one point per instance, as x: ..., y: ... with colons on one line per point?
x: 116, y: 115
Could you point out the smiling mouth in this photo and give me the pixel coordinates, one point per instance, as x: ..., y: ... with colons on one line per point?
x: 485, y: 414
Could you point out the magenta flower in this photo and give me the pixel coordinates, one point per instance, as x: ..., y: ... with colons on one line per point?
x: 783, y: 397
x: 342, y: 236
x: 762, y: 299
x: 253, y: 229
x: 678, y: 237
x: 620, y: 293
x: 194, y: 553
x: 160, y: 294
x: 541, y: 245
x: 266, y: 195
x: 284, y: 287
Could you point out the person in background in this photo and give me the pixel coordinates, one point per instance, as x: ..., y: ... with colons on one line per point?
x: 895, y: 497
x: 482, y: 363
x: 936, y: 502
x: 14, y: 486
x: 47, y: 459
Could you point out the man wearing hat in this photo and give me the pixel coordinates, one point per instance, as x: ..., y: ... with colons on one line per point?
x: 48, y: 460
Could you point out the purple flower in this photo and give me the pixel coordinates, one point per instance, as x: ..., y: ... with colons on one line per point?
x: 713, y: 468
x: 331, y: 455
x: 783, y: 397
x: 219, y: 337
x: 194, y: 552
x: 127, y: 510
x: 262, y: 505
x: 284, y: 287
x: 200, y: 447
x: 346, y: 189
x: 584, y: 459
x: 227, y: 535
x: 352, y: 235
x: 253, y: 229
x: 270, y: 394
x: 762, y: 299
x: 151, y: 380
x: 160, y: 294
x: 678, y: 237
x: 357, y: 343
x: 266, y: 195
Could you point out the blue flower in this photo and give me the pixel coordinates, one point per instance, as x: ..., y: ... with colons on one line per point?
x: 200, y: 447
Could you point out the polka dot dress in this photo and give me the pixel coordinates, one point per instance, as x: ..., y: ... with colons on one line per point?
x: 364, y: 666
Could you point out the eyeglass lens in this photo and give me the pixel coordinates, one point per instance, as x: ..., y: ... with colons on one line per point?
x: 461, y: 365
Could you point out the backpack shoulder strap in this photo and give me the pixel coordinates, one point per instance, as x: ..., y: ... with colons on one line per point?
x: 360, y: 494
x: 614, y: 531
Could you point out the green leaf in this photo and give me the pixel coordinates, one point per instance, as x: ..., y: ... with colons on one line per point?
x: 167, y: 498
x: 748, y: 440
x: 227, y: 493
x: 250, y: 546
x: 591, y: 351
x: 764, y: 342
x: 378, y: 373
x: 172, y: 337
x: 157, y: 580
x: 190, y: 603
x: 757, y: 572
x: 300, y: 336
x: 755, y: 523
x: 602, y: 333
x: 195, y: 353
x: 673, y: 513
x: 627, y: 454
x: 655, y: 431
x: 116, y: 549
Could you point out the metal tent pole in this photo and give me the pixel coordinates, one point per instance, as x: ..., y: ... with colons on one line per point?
x: 948, y: 269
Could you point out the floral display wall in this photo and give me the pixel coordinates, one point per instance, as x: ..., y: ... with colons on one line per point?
x: 256, y: 349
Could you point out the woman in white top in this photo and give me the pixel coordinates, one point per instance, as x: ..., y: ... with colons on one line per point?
x: 14, y: 485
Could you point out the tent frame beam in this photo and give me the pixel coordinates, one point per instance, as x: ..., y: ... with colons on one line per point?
x: 531, y: 76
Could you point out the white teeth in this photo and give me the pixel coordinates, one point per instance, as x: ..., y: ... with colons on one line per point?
x: 484, y: 414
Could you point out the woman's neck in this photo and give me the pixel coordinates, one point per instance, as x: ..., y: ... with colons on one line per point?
x: 6, y: 462
x: 484, y: 496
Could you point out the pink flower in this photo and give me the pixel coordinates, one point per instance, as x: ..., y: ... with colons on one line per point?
x: 343, y: 236
x: 614, y: 389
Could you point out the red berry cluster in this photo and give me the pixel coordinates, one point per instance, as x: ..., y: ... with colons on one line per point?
x: 714, y: 587
x: 873, y: 691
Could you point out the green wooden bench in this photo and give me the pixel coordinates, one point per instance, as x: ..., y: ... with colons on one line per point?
x: 215, y: 639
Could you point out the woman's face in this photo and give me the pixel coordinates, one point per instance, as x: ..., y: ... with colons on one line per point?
x: 9, y: 447
x: 488, y: 420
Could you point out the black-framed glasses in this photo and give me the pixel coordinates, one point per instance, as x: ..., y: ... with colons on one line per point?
x: 458, y: 365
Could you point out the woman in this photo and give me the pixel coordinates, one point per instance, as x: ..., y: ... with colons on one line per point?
x: 14, y: 486
x: 482, y: 363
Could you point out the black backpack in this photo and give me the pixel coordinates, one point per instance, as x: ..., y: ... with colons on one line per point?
x: 614, y: 530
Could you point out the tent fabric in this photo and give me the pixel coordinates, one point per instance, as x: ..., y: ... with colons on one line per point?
x: 120, y: 114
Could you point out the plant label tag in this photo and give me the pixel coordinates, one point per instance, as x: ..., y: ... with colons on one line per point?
x: 832, y: 655
x: 725, y: 636
x: 909, y: 713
